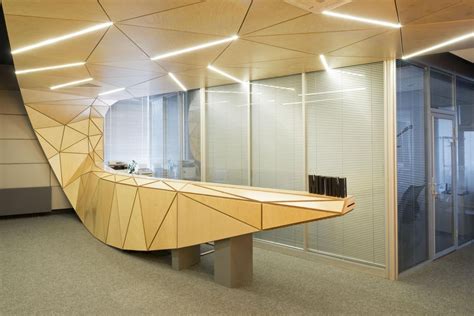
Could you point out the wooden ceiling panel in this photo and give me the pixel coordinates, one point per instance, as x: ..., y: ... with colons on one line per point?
x: 24, y: 31
x: 314, y: 23
x: 386, y: 45
x: 420, y: 36
x: 316, y: 43
x: 412, y: 10
x: 144, y: 65
x: 159, y: 85
x: 88, y: 10
x: 116, y: 47
x: 214, y: 17
x: 265, y: 13
x: 119, y: 10
x: 120, y: 77
x: 461, y: 11
x: 156, y: 42
x: 244, y: 51
x: 383, y: 10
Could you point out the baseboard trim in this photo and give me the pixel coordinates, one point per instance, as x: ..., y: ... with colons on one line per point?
x: 320, y: 258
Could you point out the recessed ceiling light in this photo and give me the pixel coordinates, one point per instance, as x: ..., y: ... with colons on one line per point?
x: 324, y: 62
x: 72, y: 83
x: 220, y: 72
x: 26, y: 71
x: 177, y: 81
x: 197, y: 47
x: 360, y: 19
x: 111, y: 91
x: 443, y: 44
x: 62, y: 38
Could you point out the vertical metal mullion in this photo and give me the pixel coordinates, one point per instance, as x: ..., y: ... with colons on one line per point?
x: 305, y: 157
x: 202, y: 112
x: 249, y: 134
x: 391, y: 223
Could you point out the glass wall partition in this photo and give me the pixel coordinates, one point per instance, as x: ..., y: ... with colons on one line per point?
x: 345, y: 114
x: 227, y: 134
x: 465, y: 181
x: 278, y: 144
x: 159, y: 132
x: 411, y: 167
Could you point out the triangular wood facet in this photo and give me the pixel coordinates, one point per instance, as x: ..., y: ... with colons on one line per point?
x: 55, y: 164
x: 39, y: 120
x: 155, y: 204
x: 198, y: 223
x: 72, y: 191
x: 166, y: 237
x: 52, y: 135
x: 70, y: 163
x: 60, y: 112
x: 71, y: 137
x: 104, y: 205
x: 48, y: 150
x: 114, y: 235
x: 135, y: 238
x: 125, y: 199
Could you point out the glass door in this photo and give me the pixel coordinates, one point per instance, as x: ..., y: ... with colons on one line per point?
x: 445, y: 237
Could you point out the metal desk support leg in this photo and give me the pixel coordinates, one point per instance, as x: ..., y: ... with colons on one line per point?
x: 185, y: 257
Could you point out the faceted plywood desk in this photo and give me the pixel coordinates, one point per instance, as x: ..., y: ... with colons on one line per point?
x: 145, y: 214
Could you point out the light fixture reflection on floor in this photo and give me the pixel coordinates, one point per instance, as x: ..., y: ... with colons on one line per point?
x: 26, y: 71
x: 197, y: 47
x: 440, y: 45
x: 62, y: 38
x: 177, y: 81
x: 361, y: 19
x: 72, y: 83
x: 111, y: 91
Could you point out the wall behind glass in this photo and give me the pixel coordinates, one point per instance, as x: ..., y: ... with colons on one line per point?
x: 345, y: 137
x: 127, y: 132
x: 412, y: 170
x: 227, y: 134
x: 465, y: 181
x: 278, y: 144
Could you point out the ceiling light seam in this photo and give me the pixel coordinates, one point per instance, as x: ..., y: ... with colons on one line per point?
x: 133, y: 42
x: 124, y: 68
x: 401, y: 32
x: 356, y: 42
x: 361, y: 19
x: 220, y: 54
x: 103, y: 9
x: 245, y: 16
x: 94, y: 48
x: 157, y: 12
x: 281, y: 22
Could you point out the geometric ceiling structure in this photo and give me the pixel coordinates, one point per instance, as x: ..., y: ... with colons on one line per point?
x: 275, y: 39
x: 111, y: 44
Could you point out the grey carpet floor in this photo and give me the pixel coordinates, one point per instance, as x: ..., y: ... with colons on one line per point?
x: 52, y: 265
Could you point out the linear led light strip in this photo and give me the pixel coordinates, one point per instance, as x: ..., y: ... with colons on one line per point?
x: 62, y: 38
x: 72, y: 83
x: 361, y: 19
x: 111, y: 91
x: 177, y: 81
x: 245, y: 82
x: 440, y: 45
x: 26, y: 71
x: 197, y: 47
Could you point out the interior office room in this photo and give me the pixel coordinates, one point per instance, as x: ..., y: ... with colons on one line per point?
x: 236, y: 157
